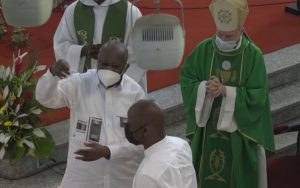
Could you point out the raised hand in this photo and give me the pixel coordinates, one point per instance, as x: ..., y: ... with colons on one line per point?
x: 91, y: 50
x: 61, y: 69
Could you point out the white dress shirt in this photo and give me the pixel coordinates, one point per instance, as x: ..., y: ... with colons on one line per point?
x: 93, y: 107
x: 167, y: 164
x: 66, y: 45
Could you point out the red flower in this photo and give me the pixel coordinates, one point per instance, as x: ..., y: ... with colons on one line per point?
x: 18, y: 64
x: 27, y: 95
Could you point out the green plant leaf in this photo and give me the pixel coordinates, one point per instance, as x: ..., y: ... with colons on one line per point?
x: 2, y: 137
x: 36, y: 111
x: 27, y: 126
x: 39, y: 133
x: 22, y: 115
x: 5, y: 92
x: 7, y: 72
x: 2, y: 152
x: 16, y: 123
x: 17, y: 153
x: 44, y: 146
x: 29, y: 143
x: 6, y: 139
x: 40, y: 68
x: 20, y: 91
x: 17, y: 108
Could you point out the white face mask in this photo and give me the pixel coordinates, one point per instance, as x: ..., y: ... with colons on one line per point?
x: 226, y: 45
x: 108, y: 77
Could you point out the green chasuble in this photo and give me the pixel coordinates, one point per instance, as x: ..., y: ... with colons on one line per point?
x: 221, y: 159
x: 113, y: 29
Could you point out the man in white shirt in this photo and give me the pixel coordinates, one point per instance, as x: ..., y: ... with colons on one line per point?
x: 87, y: 24
x: 98, y: 100
x: 168, y: 160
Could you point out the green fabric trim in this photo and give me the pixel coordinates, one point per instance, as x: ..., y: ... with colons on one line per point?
x: 84, y: 27
x: 116, y: 14
x: 113, y: 29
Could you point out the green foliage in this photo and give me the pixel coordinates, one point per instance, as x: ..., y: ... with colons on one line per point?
x: 20, y: 133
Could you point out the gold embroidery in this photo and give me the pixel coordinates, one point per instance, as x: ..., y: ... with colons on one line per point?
x: 114, y: 38
x: 225, y: 75
x: 219, y: 135
x: 224, y: 16
x: 83, y: 36
x: 202, y: 156
x: 216, y: 165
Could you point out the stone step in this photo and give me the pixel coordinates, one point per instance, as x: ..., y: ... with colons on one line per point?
x: 284, y: 143
x: 283, y: 66
x: 285, y: 102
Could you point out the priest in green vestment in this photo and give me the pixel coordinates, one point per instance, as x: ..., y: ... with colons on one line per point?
x: 225, y: 95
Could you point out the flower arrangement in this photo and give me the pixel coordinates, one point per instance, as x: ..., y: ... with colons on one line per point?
x: 20, y: 131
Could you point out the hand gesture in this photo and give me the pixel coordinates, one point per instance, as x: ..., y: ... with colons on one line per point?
x: 91, y: 50
x: 214, y: 87
x: 61, y: 69
x: 94, y: 152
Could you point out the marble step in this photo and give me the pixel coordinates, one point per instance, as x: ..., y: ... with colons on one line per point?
x: 285, y: 102
x: 283, y: 66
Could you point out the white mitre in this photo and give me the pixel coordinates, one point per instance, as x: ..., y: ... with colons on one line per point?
x: 229, y: 15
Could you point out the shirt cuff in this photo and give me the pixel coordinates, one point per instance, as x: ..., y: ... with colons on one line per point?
x: 114, y: 150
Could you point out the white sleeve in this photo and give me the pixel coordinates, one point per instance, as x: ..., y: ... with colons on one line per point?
x: 226, y: 120
x: 203, y: 105
x: 134, y: 71
x: 125, y: 150
x: 52, y: 92
x: 145, y: 181
x: 65, y: 40
x: 170, y: 178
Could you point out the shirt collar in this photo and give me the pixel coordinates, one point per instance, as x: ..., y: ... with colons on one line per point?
x: 155, y: 146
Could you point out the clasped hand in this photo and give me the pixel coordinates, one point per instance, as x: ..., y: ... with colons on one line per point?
x: 94, y: 152
x: 214, y: 87
x: 91, y: 51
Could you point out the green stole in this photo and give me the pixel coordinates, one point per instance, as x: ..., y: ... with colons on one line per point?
x: 113, y: 29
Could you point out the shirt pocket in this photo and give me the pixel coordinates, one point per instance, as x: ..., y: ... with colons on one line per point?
x: 80, y: 127
x: 119, y: 121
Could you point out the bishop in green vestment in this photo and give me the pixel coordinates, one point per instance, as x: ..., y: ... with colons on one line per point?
x: 225, y: 95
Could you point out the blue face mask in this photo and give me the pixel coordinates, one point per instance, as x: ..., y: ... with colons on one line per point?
x: 226, y: 45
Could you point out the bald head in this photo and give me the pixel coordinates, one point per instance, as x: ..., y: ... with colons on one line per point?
x: 113, y: 56
x: 147, y: 114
